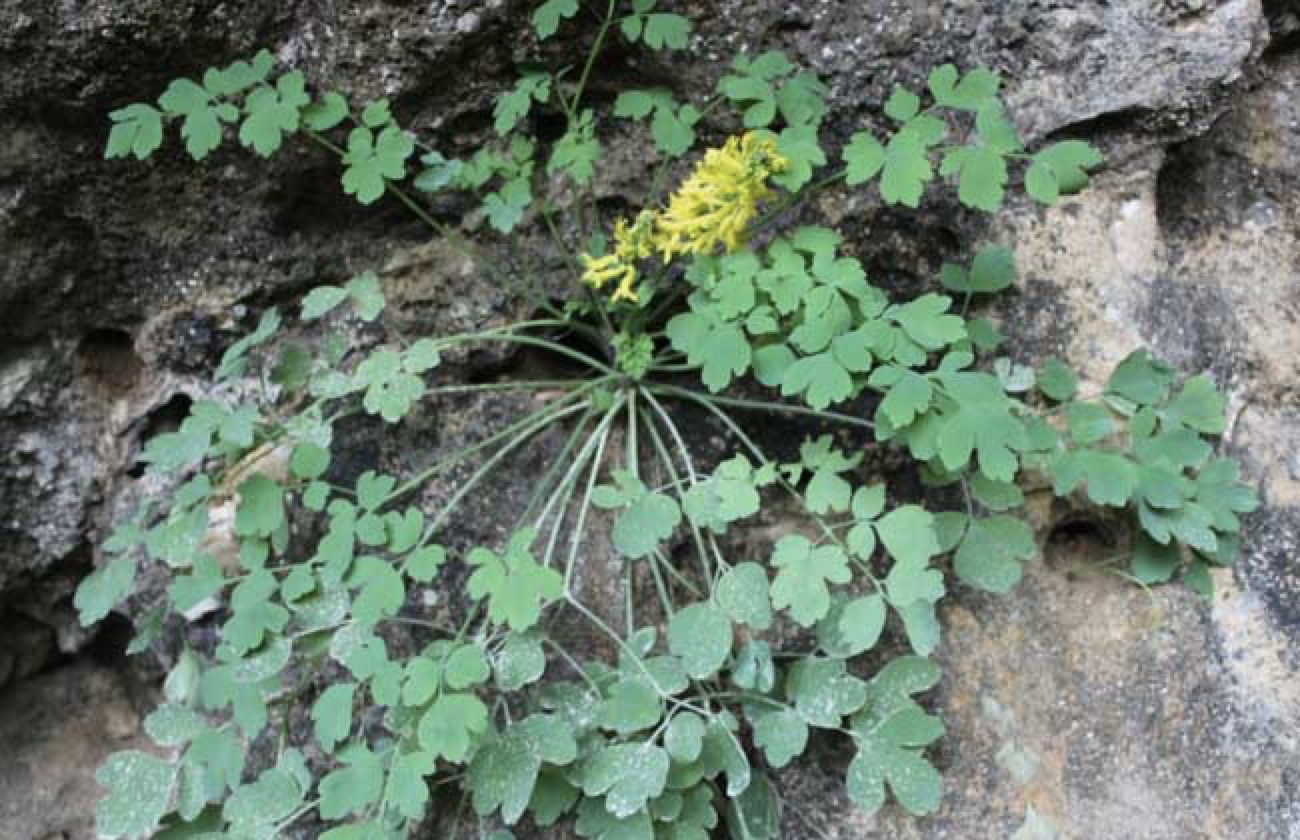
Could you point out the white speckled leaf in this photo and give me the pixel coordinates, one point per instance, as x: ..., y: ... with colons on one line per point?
x: 140, y: 787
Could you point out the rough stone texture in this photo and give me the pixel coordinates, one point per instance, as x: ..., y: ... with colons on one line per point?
x: 1077, y: 706
x: 56, y: 729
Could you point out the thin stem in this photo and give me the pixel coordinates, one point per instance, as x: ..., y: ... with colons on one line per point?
x: 577, y: 464
x: 667, y: 460
x: 585, y: 507
x: 487, y: 467
x: 557, y: 464
x: 591, y: 59
x: 786, y: 485
x: 532, y: 341
x: 629, y: 595
x: 764, y: 405
x: 451, y: 460
x: 518, y: 385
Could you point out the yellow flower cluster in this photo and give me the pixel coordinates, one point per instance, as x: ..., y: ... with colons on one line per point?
x: 713, y: 207
x: 631, y: 243
x: 718, y: 201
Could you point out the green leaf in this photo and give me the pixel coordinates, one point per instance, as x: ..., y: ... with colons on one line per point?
x: 667, y: 30
x: 756, y: 813
x: 597, y: 823
x: 781, y: 734
x: 382, y: 591
x: 546, y: 19
x: 805, y: 570
x: 997, y: 496
x: 577, y: 150
x: 803, y: 153
x: 673, y: 130
x: 633, y: 705
x: 272, y: 112
x: 322, y: 115
x: 139, y: 790
x: 628, y: 775
x: 684, y: 737
x: 370, y: 162
x: 921, y: 624
x: 972, y: 93
x: 423, y: 564
x: 860, y: 624
x: 137, y: 130
x: 261, y: 507
x: 104, y: 589
x: 983, y: 423
x: 721, y: 348
x: 202, y: 126
x: 914, y: 782
x: 754, y: 669
x: 821, y: 378
x: 902, y: 104
x: 982, y: 176
x: 321, y: 300
x: 367, y: 295
x: 1140, y: 378
x: 505, y: 772
x: 864, y: 158
x: 910, y: 581
x: 906, y: 170
x: 636, y: 104
x: 514, y: 106
x: 925, y: 321
x: 1088, y: 422
x: 450, y: 724
x: 514, y: 584
x: 701, y: 635
x: 332, y: 715
x: 309, y: 461
x: 254, y: 809
x: 648, y: 521
x: 1060, y: 169
x: 171, y: 725
x: 989, y: 556
x: 1198, y: 406
x: 993, y: 269
x: 406, y: 788
x: 1111, y: 478
x: 909, y: 396
x: 521, y: 661
x: 505, y: 207
x: 743, y: 595
x: 466, y: 666
x: 1056, y: 381
x: 1152, y: 562
x: 822, y: 692
x: 908, y: 533
x: 355, y: 786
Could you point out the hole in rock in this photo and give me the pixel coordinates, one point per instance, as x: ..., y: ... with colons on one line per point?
x: 107, y: 358
x: 108, y: 647
x: 1078, y: 545
x: 165, y: 418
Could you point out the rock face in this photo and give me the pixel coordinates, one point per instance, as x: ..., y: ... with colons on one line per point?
x: 1077, y: 707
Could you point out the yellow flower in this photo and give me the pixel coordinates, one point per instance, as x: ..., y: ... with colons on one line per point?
x: 631, y: 243
x: 715, y: 205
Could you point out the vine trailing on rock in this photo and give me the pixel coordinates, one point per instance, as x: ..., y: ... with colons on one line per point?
x: 723, y: 654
